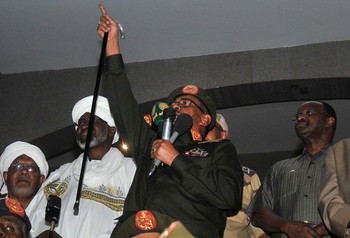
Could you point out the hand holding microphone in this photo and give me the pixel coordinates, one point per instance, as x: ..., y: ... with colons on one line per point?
x: 163, y: 151
x: 168, y: 115
x: 164, y: 148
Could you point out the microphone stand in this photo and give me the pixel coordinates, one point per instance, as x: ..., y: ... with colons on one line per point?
x: 91, y: 124
x: 52, y: 227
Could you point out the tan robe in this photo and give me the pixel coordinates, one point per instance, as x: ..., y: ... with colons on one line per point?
x: 239, y: 226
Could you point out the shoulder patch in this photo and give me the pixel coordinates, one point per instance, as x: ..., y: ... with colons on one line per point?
x: 145, y: 220
x: 248, y: 171
x: 148, y: 119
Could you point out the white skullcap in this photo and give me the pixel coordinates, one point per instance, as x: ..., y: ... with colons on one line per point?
x: 102, y: 111
x: 18, y: 148
x: 222, y: 122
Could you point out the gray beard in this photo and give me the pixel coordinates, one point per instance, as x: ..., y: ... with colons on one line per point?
x: 94, y: 141
x: 23, y: 192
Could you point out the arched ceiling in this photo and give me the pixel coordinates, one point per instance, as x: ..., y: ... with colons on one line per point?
x: 44, y: 35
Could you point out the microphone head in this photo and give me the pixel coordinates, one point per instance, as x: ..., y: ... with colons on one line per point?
x: 169, y: 113
x: 183, y: 123
x: 157, y: 112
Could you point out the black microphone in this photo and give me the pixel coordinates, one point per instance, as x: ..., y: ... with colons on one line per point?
x: 169, y: 115
x: 52, y: 212
x: 182, y: 124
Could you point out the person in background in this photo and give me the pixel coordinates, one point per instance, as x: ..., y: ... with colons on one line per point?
x: 14, y: 223
x: 334, y: 203
x: 107, y: 179
x: 196, y: 182
x: 238, y: 225
x: 286, y: 203
x: 24, y: 168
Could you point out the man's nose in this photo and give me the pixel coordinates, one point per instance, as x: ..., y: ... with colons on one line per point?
x: 300, y: 117
x: 176, y: 106
x: 24, y: 170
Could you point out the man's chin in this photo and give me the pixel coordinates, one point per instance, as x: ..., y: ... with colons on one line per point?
x: 81, y: 145
x: 23, y: 188
x: 93, y: 143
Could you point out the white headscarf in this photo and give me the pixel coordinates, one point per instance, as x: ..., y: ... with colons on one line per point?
x: 222, y: 122
x: 102, y: 111
x: 18, y: 148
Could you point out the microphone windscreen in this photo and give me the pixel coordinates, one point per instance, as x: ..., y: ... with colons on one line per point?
x: 157, y: 112
x: 169, y: 113
x: 183, y: 123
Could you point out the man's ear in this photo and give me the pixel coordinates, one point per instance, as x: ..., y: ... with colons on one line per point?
x: 205, y: 120
x: 330, y: 121
x: 42, y: 179
x: 224, y: 134
x: 5, y: 177
x: 112, y: 131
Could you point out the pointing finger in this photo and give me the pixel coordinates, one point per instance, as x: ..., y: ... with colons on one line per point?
x: 103, y: 9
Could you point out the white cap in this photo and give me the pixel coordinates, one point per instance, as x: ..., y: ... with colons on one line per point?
x: 222, y: 122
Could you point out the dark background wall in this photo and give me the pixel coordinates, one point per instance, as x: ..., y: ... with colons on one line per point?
x: 251, y: 88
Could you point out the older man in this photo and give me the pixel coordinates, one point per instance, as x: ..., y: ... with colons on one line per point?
x: 14, y: 222
x: 107, y: 179
x: 197, y: 181
x: 24, y: 168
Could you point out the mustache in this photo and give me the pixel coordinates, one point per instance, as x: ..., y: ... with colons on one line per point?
x: 302, y: 120
x: 23, y: 178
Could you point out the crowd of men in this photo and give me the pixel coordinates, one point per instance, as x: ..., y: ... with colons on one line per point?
x: 198, y: 187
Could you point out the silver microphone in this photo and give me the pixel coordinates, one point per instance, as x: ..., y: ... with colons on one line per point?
x: 169, y: 115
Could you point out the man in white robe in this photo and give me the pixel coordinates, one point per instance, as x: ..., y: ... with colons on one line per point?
x: 107, y: 179
x: 23, y: 168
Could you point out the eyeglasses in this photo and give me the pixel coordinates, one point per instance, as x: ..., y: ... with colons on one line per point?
x: 304, y: 114
x: 86, y: 120
x: 186, y: 102
x: 30, y: 167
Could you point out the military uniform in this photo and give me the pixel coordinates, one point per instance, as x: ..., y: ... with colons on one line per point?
x: 146, y: 221
x: 239, y: 225
x: 203, y: 180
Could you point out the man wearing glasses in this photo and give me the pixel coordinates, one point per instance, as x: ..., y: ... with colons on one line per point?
x: 196, y: 182
x: 24, y: 168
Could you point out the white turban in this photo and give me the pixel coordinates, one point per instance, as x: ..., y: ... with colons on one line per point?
x: 222, y: 122
x: 18, y: 148
x: 102, y: 111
